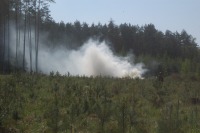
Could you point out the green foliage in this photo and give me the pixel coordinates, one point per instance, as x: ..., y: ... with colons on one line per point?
x: 39, y: 103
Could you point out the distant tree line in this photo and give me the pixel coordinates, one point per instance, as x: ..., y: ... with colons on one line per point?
x: 144, y: 40
x: 170, y: 52
x: 167, y: 52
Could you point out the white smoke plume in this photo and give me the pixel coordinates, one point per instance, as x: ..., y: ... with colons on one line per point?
x: 93, y: 58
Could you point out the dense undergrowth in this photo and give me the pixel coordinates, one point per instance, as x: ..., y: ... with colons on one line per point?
x: 65, y: 104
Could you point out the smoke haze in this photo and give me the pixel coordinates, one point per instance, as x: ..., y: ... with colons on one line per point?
x: 91, y: 59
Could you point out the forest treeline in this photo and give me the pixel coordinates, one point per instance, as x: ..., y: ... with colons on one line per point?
x: 169, y: 52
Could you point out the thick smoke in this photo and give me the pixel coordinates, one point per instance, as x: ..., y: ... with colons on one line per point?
x: 93, y: 58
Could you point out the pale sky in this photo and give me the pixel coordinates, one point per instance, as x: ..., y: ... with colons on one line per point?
x: 174, y: 15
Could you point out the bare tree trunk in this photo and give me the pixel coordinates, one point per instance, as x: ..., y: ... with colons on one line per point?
x: 30, y: 43
x: 8, y: 38
x: 5, y: 35
x: 17, y: 33
x: 24, y: 51
x: 37, y: 38
x: 35, y: 4
x: 4, y: 42
x: 1, y: 41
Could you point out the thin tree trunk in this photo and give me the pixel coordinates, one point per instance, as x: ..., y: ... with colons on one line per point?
x: 17, y: 34
x: 1, y: 41
x: 38, y: 32
x: 35, y: 4
x: 24, y: 51
x: 30, y: 44
x: 4, y: 42
x: 8, y: 38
